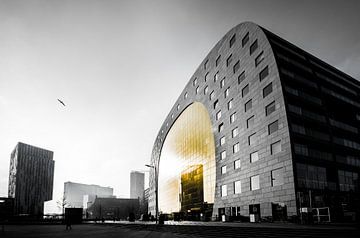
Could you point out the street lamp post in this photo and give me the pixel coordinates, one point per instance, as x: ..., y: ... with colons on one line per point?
x: 156, y: 191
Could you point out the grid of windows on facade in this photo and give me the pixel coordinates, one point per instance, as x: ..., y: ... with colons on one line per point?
x: 237, y: 187
x: 311, y: 176
x: 348, y: 181
x: 277, y: 177
x: 270, y: 108
x: 237, y: 164
x: 275, y: 147
x: 223, y: 190
x: 254, y: 157
x: 254, y: 182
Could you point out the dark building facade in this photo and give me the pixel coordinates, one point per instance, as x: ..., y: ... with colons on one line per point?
x: 6, y: 208
x: 113, y: 208
x: 31, y: 178
x: 274, y: 128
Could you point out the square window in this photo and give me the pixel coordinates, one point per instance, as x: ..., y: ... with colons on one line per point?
x: 186, y: 95
x: 218, y: 115
x: 254, y: 182
x: 232, y: 40
x: 218, y: 60
x: 259, y: 58
x: 216, y: 103
x: 223, y: 190
x: 197, y: 89
x: 245, y: 40
x: 250, y: 122
x: 212, y: 95
x: 222, y: 140
x: 270, y: 108
x: 230, y: 104
x: 226, y: 93
x: 206, y: 89
x: 237, y: 187
x: 223, y: 155
x: 248, y: 105
x: 264, y: 73
x: 254, y: 157
x: 195, y: 81
x: 235, y: 132
x: 236, y: 67
x: 253, y: 47
x: 273, y: 127
x: 236, y: 148
x: 245, y: 90
x: 216, y: 76
x: 228, y: 61
x: 277, y: 177
x: 237, y: 164
x: 241, y: 77
x: 221, y: 127
x: 232, y: 117
x: 222, y: 83
x: 206, y: 64
x: 267, y: 90
x: 275, y: 147
x: 223, y: 169
x: 251, y: 139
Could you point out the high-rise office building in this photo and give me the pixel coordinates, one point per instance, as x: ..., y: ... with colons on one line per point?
x: 76, y: 193
x: 262, y: 128
x: 137, y: 181
x: 31, y: 178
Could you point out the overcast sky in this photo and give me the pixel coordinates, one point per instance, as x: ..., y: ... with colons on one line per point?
x: 119, y: 66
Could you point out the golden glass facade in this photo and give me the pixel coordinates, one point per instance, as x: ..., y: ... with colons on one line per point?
x: 188, y: 152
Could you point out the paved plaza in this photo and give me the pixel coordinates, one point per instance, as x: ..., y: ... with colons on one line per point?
x: 182, y: 229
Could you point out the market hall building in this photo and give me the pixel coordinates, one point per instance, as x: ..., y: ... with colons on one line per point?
x: 264, y: 128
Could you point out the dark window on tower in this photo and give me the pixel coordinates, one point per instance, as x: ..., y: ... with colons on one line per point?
x: 253, y: 47
x: 218, y: 60
x: 248, y: 105
x: 264, y: 73
x: 245, y: 39
x: 273, y: 127
x: 259, y: 58
x: 232, y: 40
x: 245, y: 90
x: 270, y: 108
x: 229, y: 60
x: 250, y: 122
x: 267, y: 90
x: 236, y: 66
x: 206, y: 64
x: 241, y: 77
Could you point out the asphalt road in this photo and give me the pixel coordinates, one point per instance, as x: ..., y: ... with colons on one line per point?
x: 152, y: 231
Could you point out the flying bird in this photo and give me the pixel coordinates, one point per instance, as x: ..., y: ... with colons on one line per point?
x: 61, y: 102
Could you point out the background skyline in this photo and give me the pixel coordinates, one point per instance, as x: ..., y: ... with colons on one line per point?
x: 119, y: 66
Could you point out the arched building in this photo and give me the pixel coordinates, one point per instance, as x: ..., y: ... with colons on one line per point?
x: 262, y: 127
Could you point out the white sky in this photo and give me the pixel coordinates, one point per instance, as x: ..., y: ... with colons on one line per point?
x: 120, y: 65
